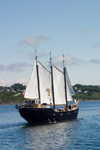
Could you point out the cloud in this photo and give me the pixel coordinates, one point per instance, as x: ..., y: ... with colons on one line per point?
x: 40, y: 55
x: 94, y: 61
x: 16, y: 67
x: 2, y: 67
x: 83, y: 31
x: 22, y: 81
x: 9, y: 82
x: 58, y: 61
x: 68, y: 59
x: 33, y: 41
x: 4, y: 82
x: 97, y: 45
x: 71, y: 60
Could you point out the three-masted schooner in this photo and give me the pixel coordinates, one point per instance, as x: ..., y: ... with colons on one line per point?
x: 44, y: 91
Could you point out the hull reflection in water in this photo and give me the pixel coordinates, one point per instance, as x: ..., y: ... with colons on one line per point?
x: 51, y: 136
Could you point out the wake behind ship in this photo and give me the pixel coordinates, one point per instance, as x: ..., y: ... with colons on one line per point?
x: 44, y: 91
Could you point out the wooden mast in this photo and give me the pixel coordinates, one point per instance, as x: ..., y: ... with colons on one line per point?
x: 37, y: 73
x: 64, y: 70
x: 52, y: 81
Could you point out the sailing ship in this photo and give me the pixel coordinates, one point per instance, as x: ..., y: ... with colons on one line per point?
x: 45, y: 90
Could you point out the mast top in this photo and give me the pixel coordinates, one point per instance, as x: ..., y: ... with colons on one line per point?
x: 50, y: 59
x: 35, y: 53
x: 63, y: 61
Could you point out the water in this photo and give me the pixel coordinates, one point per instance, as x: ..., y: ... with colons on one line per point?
x: 82, y: 133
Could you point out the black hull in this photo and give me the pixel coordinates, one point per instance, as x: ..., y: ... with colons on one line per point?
x: 40, y: 115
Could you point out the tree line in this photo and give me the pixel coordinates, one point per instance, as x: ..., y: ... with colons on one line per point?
x: 9, y: 94
x: 87, y: 92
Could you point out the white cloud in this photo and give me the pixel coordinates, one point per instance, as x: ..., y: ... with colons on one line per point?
x: 83, y: 31
x: 40, y: 55
x: 94, y: 61
x: 71, y: 60
x: 4, y: 82
x: 97, y: 45
x: 68, y: 59
x: 33, y: 41
x: 2, y: 67
x: 9, y: 82
x: 17, y: 67
x: 58, y: 61
x: 22, y: 81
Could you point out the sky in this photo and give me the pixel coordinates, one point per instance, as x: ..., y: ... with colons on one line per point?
x: 62, y: 27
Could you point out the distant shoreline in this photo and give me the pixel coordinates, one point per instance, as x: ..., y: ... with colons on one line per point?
x: 88, y: 100
x: 19, y: 102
